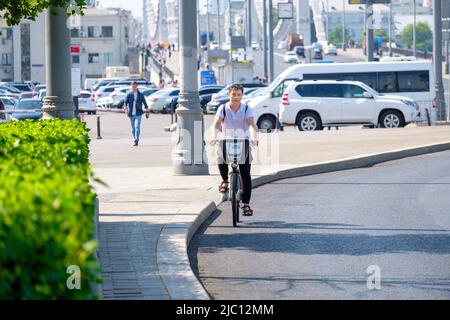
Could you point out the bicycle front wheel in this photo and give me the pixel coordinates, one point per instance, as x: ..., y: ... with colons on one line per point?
x: 234, y: 200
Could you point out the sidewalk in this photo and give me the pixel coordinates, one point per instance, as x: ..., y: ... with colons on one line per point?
x: 145, y: 206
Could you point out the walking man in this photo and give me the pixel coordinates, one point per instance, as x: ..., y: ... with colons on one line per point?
x: 133, y: 107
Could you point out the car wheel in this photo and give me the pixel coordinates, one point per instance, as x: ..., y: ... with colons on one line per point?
x: 309, y: 121
x: 266, y: 123
x: 392, y: 119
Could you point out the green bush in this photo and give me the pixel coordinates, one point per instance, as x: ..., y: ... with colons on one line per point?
x: 46, y: 210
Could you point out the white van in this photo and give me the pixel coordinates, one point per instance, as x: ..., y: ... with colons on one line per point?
x: 412, y: 79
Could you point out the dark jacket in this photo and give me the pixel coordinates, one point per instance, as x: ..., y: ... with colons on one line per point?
x: 140, y: 100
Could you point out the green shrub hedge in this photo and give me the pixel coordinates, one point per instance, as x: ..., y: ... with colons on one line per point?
x: 46, y: 210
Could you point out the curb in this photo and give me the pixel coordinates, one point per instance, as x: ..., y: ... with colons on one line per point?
x: 172, y: 248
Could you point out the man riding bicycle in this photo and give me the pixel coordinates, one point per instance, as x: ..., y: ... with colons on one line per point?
x: 237, y: 122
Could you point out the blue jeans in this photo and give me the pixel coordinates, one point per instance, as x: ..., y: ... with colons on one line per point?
x: 136, y: 126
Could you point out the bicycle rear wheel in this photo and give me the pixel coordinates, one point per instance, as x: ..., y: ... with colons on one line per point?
x: 234, y: 200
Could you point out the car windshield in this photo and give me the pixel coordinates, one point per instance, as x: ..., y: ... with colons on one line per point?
x: 22, y: 87
x: 258, y: 92
x: 85, y: 95
x: 29, y: 105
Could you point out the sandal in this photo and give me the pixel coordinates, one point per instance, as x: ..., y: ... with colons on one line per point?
x: 223, y: 187
x: 247, y: 210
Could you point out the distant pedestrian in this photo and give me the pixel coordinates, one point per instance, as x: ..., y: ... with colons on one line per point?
x: 133, y: 108
x: 161, y: 84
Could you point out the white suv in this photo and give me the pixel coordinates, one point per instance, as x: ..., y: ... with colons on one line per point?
x: 311, y: 105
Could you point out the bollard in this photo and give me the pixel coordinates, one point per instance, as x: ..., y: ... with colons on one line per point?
x: 428, y: 116
x: 99, y: 136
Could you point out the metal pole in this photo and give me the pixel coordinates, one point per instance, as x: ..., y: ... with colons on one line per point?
x: 369, y: 20
x: 390, y: 29
x: 265, y: 45
x: 343, y: 26
x: 207, y: 22
x: 249, y: 21
x: 218, y: 23
x: 99, y: 136
x: 437, y: 59
x: 59, y: 101
x: 189, y: 156
x: 327, y: 11
x: 414, y: 29
x: 271, y: 65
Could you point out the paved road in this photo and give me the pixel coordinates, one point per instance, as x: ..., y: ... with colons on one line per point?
x: 314, y: 237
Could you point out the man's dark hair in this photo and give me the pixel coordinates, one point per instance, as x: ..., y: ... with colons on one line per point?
x: 134, y: 83
x: 236, y: 87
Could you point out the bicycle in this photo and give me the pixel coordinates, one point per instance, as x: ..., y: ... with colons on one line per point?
x: 232, y: 154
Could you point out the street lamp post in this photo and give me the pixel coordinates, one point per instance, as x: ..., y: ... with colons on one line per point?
x: 369, y: 20
x: 59, y: 102
x: 414, y: 28
x: 437, y: 58
x: 265, y: 45
x: 218, y: 23
x: 207, y: 22
x: 343, y: 26
x: 390, y: 29
x: 189, y: 155
x: 271, y: 65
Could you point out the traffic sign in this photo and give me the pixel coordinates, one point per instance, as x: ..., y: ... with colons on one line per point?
x: 285, y: 10
x: 207, y: 77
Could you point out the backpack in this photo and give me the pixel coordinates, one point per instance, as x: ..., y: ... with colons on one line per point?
x: 225, y: 111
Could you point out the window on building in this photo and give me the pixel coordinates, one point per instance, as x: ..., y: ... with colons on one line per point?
x: 93, y: 32
x: 6, y: 59
x: 75, y: 33
x: 107, y: 32
x: 93, y: 58
x: 76, y: 59
x: 108, y: 58
x: 90, y: 32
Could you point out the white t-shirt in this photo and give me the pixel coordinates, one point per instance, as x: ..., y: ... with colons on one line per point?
x: 235, y: 124
x: 133, y: 112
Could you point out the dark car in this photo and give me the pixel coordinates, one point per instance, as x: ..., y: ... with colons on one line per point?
x: 22, y: 87
x: 28, y: 109
x: 205, y: 93
x: 300, y: 51
x: 318, y: 54
x: 222, y: 96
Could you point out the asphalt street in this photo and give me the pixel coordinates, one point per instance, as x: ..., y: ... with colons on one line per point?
x: 330, y: 236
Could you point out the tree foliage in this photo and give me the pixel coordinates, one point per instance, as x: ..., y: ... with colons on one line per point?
x: 16, y: 10
x: 336, y: 36
x: 424, y: 36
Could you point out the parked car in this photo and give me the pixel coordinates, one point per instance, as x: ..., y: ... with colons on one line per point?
x: 226, y: 46
x: 157, y: 100
x: 205, y: 93
x: 104, y: 91
x: 119, y: 95
x: 318, y: 54
x: 9, y: 94
x: 331, y: 49
x: 290, y: 57
x: 31, y: 109
x: 9, y: 89
x: 22, y: 87
x: 86, y: 102
x: 222, y: 96
x: 250, y: 95
x: 313, y: 104
x: 300, y: 51
x: 5, y: 105
x: 102, y: 82
x: 214, y: 45
x: 42, y: 93
x: 26, y: 95
x: 255, y: 45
